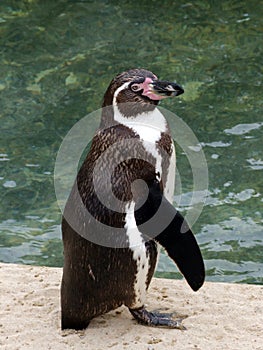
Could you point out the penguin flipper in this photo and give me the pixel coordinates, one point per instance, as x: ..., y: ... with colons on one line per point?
x: 181, y: 246
x: 159, y: 219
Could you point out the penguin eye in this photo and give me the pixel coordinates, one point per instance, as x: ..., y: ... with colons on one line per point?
x: 136, y: 87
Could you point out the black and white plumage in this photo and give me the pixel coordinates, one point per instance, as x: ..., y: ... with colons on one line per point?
x: 122, y: 198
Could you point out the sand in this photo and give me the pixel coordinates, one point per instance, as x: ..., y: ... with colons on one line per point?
x: 220, y: 316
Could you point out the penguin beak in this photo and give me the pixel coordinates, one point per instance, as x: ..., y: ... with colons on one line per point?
x: 166, y: 88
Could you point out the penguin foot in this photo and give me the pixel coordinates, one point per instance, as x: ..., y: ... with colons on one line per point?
x: 156, y: 319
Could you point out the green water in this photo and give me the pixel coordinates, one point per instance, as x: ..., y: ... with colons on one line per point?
x: 57, y: 58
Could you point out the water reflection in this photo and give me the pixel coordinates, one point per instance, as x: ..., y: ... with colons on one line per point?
x: 31, y: 245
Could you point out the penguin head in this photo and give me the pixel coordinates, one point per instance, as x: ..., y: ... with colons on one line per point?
x: 141, y: 87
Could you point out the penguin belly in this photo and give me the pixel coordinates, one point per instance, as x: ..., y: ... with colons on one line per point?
x: 144, y: 254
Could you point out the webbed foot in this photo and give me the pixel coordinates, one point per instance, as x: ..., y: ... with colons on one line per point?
x: 156, y: 319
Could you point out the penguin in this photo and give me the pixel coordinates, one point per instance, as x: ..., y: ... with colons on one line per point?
x: 120, y: 210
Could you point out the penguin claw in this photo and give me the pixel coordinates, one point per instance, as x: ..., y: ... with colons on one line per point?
x: 156, y: 319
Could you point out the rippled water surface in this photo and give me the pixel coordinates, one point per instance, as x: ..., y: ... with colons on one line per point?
x: 57, y: 58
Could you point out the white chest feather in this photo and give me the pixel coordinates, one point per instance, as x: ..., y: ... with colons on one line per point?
x: 149, y: 126
x: 139, y: 255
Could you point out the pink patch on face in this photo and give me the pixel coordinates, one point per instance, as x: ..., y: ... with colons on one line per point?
x: 148, y: 91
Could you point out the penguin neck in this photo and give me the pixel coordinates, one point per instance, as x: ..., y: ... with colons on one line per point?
x: 153, y: 119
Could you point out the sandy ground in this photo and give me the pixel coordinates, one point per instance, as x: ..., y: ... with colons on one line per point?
x: 220, y: 316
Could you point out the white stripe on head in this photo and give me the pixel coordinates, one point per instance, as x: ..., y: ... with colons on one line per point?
x: 120, y: 88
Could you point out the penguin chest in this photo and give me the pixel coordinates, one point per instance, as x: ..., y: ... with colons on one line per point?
x: 160, y: 145
x: 157, y: 142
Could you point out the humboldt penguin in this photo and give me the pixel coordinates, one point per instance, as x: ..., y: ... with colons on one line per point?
x: 120, y: 212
